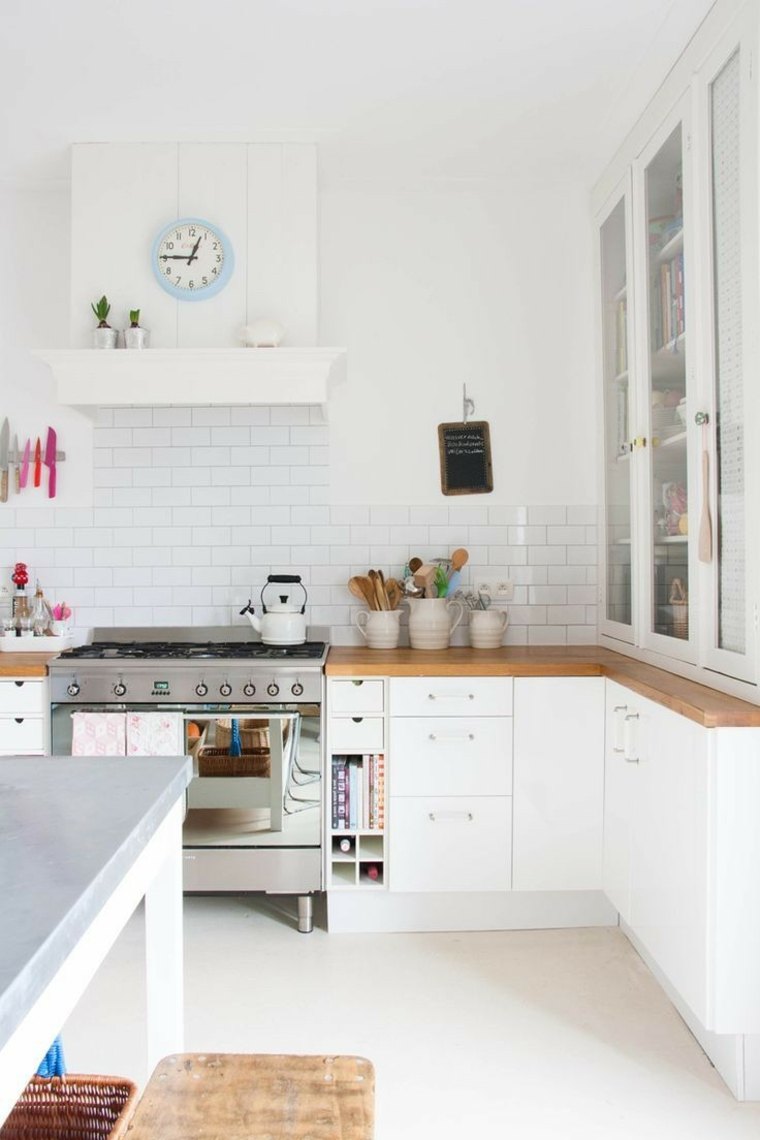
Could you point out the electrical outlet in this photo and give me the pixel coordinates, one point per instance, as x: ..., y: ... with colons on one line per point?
x: 484, y: 588
x: 505, y: 590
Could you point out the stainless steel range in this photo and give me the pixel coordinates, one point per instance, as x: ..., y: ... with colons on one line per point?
x: 250, y: 715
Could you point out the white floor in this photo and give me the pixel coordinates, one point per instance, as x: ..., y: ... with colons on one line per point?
x: 522, y: 1034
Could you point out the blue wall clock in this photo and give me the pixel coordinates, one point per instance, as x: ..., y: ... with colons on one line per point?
x: 192, y: 259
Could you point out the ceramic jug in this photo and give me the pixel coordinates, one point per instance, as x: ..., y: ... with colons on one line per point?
x: 379, y: 628
x: 431, y: 623
x: 487, y: 628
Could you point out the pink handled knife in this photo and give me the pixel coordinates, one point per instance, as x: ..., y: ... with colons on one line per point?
x: 24, y: 473
x: 49, y: 460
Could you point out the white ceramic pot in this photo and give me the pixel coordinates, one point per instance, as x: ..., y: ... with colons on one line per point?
x: 487, y: 628
x: 379, y: 628
x: 431, y: 622
x: 104, y: 338
x: 136, y: 338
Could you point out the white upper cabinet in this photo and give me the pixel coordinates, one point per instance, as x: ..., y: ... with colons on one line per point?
x: 677, y: 222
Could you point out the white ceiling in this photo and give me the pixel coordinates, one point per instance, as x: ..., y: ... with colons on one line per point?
x: 431, y: 87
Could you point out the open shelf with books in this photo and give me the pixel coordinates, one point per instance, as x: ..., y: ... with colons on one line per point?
x: 357, y: 832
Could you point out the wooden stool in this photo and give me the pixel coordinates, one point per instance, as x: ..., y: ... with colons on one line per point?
x: 255, y: 1096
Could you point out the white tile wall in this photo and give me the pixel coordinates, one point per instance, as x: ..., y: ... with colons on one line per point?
x: 193, y: 508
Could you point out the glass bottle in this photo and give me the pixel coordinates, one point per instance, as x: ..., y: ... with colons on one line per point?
x: 40, y: 613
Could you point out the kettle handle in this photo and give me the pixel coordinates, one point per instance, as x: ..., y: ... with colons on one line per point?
x: 286, y: 579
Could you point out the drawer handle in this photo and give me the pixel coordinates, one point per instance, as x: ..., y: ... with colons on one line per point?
x: 357, y: 719
x: 452, y: 736
x: 450, y: 816
x: 19, y: 719
x: 18, y: 684
x: 620, y: 708
x: 357, y: 683
x: 451, y: 697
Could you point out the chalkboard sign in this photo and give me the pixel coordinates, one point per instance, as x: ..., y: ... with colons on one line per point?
x: 465, y: 451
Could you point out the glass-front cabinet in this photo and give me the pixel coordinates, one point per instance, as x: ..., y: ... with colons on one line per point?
x: 614, y: 259
x: 667, y: 383
x: 679, y: 291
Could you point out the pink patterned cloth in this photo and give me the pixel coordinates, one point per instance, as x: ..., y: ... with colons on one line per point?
x: 99, y: 734
x: 155, y: 734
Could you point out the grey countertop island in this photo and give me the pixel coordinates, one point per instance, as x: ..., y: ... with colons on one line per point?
x: 81, y: 842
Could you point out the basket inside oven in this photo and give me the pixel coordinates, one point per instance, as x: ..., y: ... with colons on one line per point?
x: 255, y: 758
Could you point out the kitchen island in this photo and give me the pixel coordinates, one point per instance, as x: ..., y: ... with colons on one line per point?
x: 81, y: 842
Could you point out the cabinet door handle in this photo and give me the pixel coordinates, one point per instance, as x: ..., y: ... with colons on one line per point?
x: 629, y: 759
x: 451, y: 696
x: 357, y: 719
x: 618, y: 709
x: 452, y: 736
x: 18, y: 684
x: 450, y: 816
x: 19, y: 719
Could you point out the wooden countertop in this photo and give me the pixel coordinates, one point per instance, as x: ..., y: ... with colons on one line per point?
x: 699, y: 703
x: 25, y: 664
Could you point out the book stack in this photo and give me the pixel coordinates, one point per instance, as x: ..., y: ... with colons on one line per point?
x: 358, y: 792
x: 668, y: 318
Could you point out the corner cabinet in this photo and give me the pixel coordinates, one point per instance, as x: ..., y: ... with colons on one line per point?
x: 677, y: 263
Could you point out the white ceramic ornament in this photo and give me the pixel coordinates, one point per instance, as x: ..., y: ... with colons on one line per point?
x: 263, y: 333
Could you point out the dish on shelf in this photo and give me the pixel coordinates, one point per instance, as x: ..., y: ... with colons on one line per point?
x: 34, y: 644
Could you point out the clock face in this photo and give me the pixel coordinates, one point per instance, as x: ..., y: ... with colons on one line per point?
x: 192, y: 259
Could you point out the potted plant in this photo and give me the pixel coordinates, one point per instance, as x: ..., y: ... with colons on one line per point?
x: 104, y: 336
x: 135, y: 336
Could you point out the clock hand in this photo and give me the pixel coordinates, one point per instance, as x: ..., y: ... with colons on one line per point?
x: 192, y: 256
x: 172, y: 257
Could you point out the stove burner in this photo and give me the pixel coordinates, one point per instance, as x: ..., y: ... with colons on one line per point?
x: 189, y: 651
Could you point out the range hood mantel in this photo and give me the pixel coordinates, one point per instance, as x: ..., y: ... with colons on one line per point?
x: 90, y: 378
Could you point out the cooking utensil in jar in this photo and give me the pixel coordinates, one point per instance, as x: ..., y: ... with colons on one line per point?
x: 424, y: 577
x: 459, y: 558
x: 455, y: 582
x: 381, y: 602
x: 366, y: 590
x: 394, y: 592
x: 414, y: 564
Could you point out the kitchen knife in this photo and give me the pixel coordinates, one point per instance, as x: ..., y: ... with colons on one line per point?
x: 25, y: 464
x: 5, y: 439
x: 37, y: 462
x: 49, y: 461
x: 17, y: 465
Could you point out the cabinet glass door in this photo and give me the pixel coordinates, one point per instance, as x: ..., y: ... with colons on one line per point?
x: 618, y: 530
x: 724, y: 439
x: 667, y: 358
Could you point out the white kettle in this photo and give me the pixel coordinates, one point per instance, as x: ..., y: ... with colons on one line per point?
x: 282, y: 622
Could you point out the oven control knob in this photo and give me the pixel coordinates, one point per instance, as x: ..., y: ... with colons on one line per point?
x: 119, y: 689
x: 201, y: 689
x: 225, y: 690
x: 273, y: 688
x: 73, y: 689
x: 296, y: 689
x: 249, y: 689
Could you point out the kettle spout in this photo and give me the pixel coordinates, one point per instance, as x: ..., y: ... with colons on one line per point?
x: 249, y: 612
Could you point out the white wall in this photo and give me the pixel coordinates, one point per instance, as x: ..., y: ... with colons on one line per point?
x: 433, y: 285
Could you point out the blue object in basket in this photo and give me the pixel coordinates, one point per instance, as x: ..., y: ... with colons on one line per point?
x: 235, y: 746
x: 53, y: 1063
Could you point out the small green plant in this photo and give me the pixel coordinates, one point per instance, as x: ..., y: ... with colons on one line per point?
x: 101, y: 309
x: 134, y: 318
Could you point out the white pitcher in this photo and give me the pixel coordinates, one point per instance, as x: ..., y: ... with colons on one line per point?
x: 379, y: 628
x: 431, y: 623
x: 487, y: 628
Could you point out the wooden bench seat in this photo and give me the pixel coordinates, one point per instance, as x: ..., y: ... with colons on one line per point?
x: 255, y: 1096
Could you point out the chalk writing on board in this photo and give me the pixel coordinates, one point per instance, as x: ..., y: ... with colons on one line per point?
x: 465, y: 456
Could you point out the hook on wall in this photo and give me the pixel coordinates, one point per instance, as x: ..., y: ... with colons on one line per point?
x: 468, y: 405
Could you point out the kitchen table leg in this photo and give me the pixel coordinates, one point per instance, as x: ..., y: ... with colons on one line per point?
x: 305, y: 914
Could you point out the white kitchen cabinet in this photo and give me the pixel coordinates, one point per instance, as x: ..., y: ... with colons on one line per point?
x: 558, y: 783
x: 677, y: 218
x: 24, y: 716
x: 450, y: 806
x: 619, y: 787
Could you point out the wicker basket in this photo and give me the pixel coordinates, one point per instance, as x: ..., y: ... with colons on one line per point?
x: 72, y: 1108
x: 680, y: 619
x: 218, y: 762
x: 254, y: 734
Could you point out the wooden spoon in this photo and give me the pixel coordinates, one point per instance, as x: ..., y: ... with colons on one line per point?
x: 355, y: 587
x: 379, y: 592
x: 384, y: 590
x: 459, y: 558
x: 366, y: 590
x: 414, y: 564
x: 393, y: 590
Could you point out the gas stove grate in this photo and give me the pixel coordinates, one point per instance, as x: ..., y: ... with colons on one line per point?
x: 191, y: 651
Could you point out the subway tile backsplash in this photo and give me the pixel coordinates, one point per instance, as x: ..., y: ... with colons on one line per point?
x: 193, y: 507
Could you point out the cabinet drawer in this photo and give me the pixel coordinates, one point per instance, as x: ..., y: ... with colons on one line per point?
x: 22, y: 697
x: 357, y: 734
x: 355, y: 696
x: 451, y: 756
x: 450, y: 843
x: 451, y: 696
x: 21, y: 734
